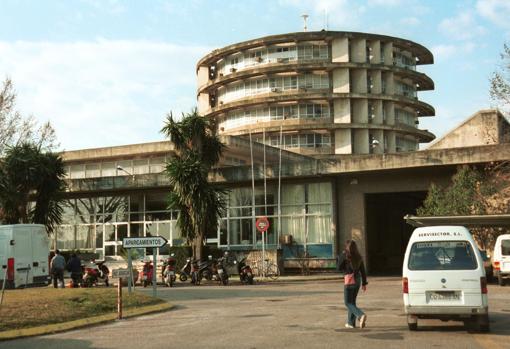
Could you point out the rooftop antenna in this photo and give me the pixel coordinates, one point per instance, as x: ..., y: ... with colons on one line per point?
x: 305, y: 16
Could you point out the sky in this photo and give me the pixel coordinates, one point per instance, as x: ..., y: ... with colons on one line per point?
x: 107, y: 72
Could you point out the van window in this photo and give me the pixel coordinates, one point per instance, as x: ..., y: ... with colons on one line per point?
x: 442, y: 255
x: 505, y: 247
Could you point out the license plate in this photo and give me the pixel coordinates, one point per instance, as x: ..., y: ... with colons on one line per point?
x: 444, y: 296
x: 506, y: 266
x: 171, y: 272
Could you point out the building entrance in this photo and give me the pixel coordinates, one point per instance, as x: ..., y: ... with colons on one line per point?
x: 387, y: 232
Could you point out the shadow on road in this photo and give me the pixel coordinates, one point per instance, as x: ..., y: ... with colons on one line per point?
x: 48, y: 343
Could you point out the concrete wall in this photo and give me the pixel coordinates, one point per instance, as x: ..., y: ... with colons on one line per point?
x: 375, y: 51
x: 341, y: 80
x: 203, y: 103
x: 358, y: 80
x: 360, y: 141
x: 358, y: 50
x: 202, y: 76
x: 359, y: 111
x: 340, y: 50
x: 342, y: 111
x: 343, y: 142
x: 482, y: 128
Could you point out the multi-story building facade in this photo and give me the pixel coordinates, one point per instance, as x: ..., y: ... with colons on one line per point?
x: 319, y: 92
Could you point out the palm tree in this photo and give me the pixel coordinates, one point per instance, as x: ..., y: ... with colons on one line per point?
x: 197, y: 150
x: 31, y: 184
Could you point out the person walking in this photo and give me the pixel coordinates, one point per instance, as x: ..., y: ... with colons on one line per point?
x: 351, y: 263
x: 57, y: 265
x: 74, y: 267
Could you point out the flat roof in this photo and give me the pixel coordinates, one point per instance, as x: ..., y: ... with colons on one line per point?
x: 495, y: 220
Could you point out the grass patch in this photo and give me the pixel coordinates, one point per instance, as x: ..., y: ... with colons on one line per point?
x: 42, y: 306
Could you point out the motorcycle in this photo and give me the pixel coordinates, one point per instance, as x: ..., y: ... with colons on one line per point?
x: 185, y: 271
x: 146, y: 274
x: 205, y: 270
x: 93, y: 275
x: 221, y: 271
x: 245, y: 272
x: 168, y: 271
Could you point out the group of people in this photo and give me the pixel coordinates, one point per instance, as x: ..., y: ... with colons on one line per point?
x: 58, y: 265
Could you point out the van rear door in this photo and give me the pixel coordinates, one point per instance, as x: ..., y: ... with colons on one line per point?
x: 22, y: 256
x: 40, y: 253
x: 444, y: 273
x: 505, y: 256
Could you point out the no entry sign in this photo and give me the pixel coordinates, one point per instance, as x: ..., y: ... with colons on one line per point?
x: 262, y: 224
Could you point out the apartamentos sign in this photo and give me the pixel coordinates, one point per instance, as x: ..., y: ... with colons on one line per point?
x: 143, y: 242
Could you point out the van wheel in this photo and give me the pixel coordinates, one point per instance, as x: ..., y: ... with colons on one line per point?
x: 483, y: 323
x: 412, y: 323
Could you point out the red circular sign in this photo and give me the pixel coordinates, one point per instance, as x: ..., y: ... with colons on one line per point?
x: 262, y: 224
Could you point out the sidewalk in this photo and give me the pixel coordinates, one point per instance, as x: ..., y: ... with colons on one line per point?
x: 303, y: 278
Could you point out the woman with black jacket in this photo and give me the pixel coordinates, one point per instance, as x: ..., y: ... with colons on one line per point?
x: 351, y: 263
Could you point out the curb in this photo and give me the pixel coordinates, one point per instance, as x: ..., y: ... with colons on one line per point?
x: 71, y: 325
x: 301, y: 279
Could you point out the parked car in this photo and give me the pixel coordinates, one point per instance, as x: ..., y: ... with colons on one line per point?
x: 444, y: 277
x: 501, y: 258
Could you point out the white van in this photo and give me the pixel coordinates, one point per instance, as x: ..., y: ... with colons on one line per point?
x: 501, y: 258
x: 444, y: 277
x: 24, y: 251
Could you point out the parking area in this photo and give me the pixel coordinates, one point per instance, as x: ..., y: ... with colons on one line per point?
x: 274, y: 315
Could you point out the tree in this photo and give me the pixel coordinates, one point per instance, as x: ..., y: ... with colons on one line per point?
x: 15, y: 129
x: 500, y: 80
x: 199, y: 202
x: 472, y: 192
x: 31, y: 184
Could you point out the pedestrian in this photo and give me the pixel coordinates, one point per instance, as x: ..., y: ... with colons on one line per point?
x: 57, y: 265
x: 351, y: 263
x: 75, y: 268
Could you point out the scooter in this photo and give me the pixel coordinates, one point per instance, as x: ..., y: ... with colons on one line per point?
x: 93, y: 275
x: 245, y: 272
x: 221, y: 271
x: 146, y: 274
x: 169, y: 271
x: 205, y: 270
x: 185, y: 271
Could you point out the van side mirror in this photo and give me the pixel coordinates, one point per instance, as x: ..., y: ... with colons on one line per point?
x: 12, y: 242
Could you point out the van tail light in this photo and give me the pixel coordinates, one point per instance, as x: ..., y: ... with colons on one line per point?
x: 405, y: 285
x: 495, y: 265
x: 483, y: 284
x: 10, y: 269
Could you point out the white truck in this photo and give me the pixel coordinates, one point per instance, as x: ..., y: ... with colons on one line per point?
x: 24, y: 251
x: 444, y: 277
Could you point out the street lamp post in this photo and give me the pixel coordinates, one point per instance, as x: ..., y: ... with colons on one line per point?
x: 120, y: 168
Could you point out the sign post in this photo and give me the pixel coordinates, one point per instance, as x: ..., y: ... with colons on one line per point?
x: 262, y: 225
x: 120, y: 273
x: 153, y: 242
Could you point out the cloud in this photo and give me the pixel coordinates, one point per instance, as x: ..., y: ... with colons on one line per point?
x: 496, y: 11
x: 103, y: 92
x: 384, y: 2
x: 461, y: 27
x: 410, y: 21
x: 445, y: 52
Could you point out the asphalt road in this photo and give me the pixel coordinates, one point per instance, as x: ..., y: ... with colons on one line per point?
x: 292, y: 315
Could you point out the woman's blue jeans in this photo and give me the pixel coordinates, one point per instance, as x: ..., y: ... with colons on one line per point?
x: 350, y: 295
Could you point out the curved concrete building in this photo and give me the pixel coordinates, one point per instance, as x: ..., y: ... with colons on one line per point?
x: 319, y: 92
